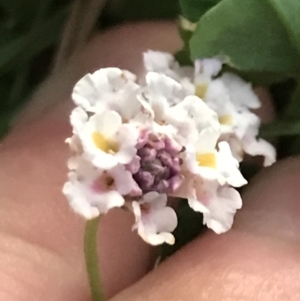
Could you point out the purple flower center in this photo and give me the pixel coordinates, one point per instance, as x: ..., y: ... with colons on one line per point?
x: 159, y: 164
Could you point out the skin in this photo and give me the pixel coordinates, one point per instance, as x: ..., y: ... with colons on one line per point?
x: 41, y: 239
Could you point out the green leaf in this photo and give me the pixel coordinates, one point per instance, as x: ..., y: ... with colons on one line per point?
x: 280, y: 128
x: 194, y: 9
x: 191, y: 11
x: 252, y: 35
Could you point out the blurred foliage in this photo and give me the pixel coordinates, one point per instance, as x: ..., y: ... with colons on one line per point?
x: 117, y: 11
x: 30, y: 31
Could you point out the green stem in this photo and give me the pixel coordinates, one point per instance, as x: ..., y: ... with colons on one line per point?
x: 91, y: 259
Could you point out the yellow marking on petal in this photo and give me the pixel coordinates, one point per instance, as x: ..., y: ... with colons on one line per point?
x: 207, y: 160
x: 225, y: 119
x: 106, y: 145
x: 201, y: 90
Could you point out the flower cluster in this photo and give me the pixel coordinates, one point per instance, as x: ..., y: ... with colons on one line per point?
x: 135, y: 145
x: 228, y: 95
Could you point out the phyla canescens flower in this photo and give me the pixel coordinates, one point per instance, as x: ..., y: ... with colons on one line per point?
x: 134, y: 145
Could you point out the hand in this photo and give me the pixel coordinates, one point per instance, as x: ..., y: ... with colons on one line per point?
x: 41, y: 251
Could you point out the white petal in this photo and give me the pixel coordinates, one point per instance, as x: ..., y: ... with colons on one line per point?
x: 247, y: 123
x: 90, y: 89
x: 155, y: 199
x: 97, y: 91
x: 207, y: 140
x: 235, y: 145
x: 218, y: 94
x: 218, y: 208
x: 157, y: 61
x: 108, y: 200
x: 198, y: 110
x: 79, y: 202
x: 165, y: 63
x: 197, y: 206
x: 162, y: 92
x: 260, y: 147
x: 78, y: 119
x: 229, y: 166
x: 125, y: 154
x: 158, y: 239
x: 164, y: 219
x: 127, y: 134
x: 151, y: 226
x: 210, y: 67
x: 123, y: 180
x: 222, y: 212
x: 210, y: 174
x: 74, y: 144
x: 104, y: 161
x: 107, y: 123
x: 241, y: 92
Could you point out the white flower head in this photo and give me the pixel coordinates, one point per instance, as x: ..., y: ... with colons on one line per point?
x: 191, y: 116
x: 164, y: 63
x: 154, y: 220
x: 134, y: 145
x: 162, y: 92
x: 91, y: 191
x: 217, y: 203
x: 232, y: 98
x: 107, y: 142
x: 241, y: 93
x: 205, y: 70
x: 205, y: 160
x: 105, y: 88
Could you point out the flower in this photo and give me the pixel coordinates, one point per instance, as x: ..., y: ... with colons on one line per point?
x: 193, y: 109
x: 205, y: 160
x: 91, y: 191
x: 217, y: 203
x: 159, y: 164
x: 229, y: 166
x: 164, y: 63
x: 107, y: 141
x: 153, y: 219
x: 104, y: 89
x: 228, y: 95
x: 134, y: 145
x: 161, y: 92
x: 232, y: 98
x: 259, y: 147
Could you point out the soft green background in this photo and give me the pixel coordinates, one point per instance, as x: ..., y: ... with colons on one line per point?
x: 29, y: 34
